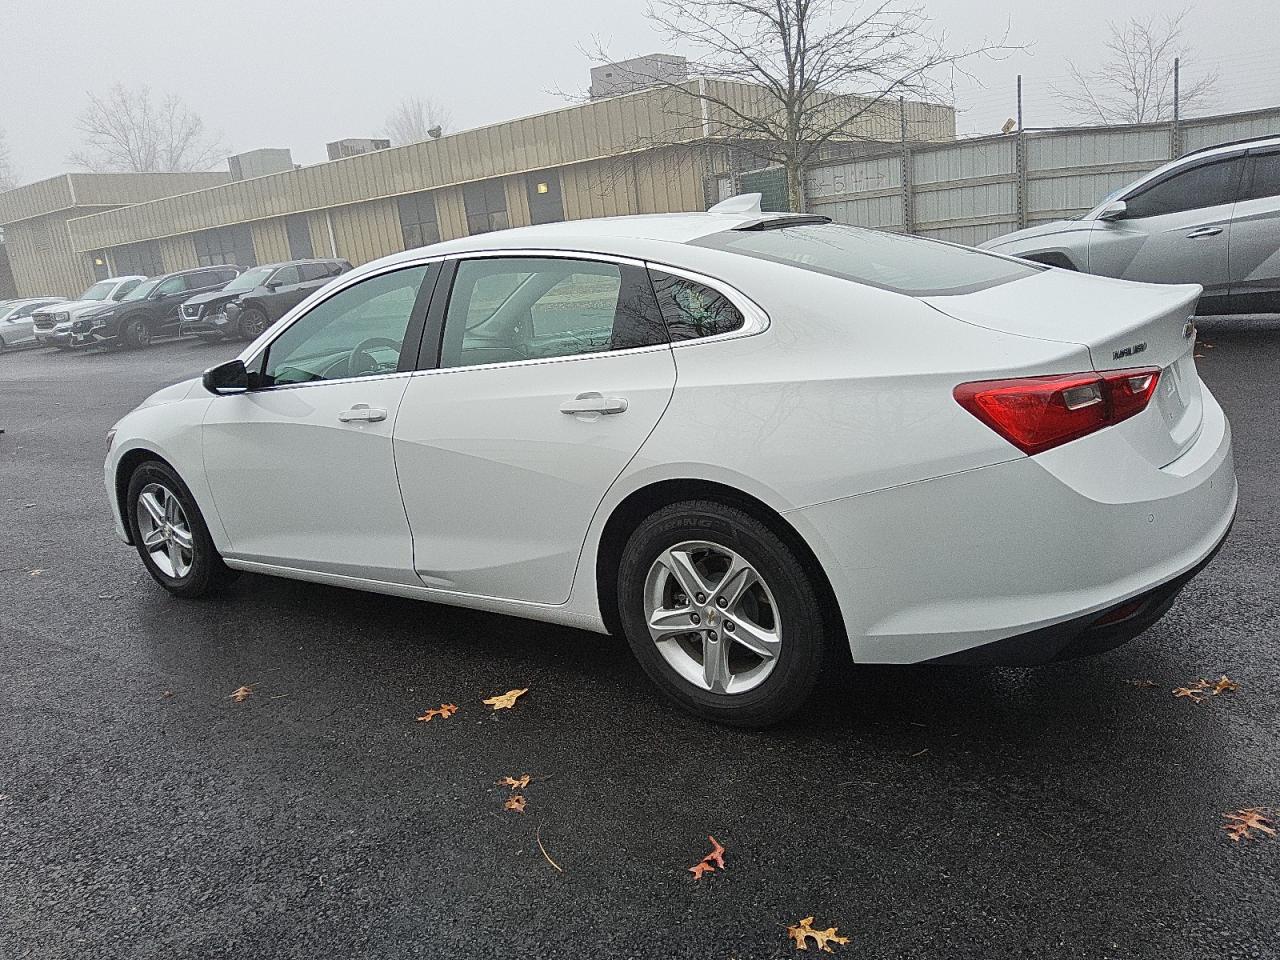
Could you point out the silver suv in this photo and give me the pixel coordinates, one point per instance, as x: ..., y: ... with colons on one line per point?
x: 1211, y: 217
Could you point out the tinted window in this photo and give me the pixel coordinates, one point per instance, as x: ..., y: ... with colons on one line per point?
x: 1263, y: 177
x: 316, y: 271
x: 508, y: 309
x: 176, y: 284
x: 205, y: 279
x: 124, y: 289
x: 1207, y: 185
x: 694, y: 310
x: 910, y: 265
x: 355, y: 333
x: 286, y: 276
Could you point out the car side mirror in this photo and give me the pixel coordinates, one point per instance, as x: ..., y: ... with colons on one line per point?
x: 229, y: 377
x: 1115, y: 210
x: 273, y: 285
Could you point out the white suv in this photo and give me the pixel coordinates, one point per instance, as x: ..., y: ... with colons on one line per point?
x: 1211, y: 217
x: 53, y: 324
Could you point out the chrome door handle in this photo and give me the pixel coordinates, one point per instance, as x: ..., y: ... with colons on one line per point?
x: 364, y: 413
x: 1204, y: 232
x: 593, y: 402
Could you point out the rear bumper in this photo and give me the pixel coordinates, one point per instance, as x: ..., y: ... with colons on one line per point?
x: 1036, y: 551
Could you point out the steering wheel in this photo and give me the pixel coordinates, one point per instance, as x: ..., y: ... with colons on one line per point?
x: 359, y: 362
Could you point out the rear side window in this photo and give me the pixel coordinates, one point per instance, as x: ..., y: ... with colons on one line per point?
x: 1208, y: 185
x: 911, y: 265
x: 692, y: 310
x: 1263, y: 177
x: 314, y: 271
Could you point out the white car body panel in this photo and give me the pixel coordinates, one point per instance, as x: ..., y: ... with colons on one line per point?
x: 936, y: 534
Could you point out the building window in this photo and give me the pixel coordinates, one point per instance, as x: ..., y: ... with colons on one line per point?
x: 486, y: 205
x: 232, y: 245
x: 298, y: 229
x: 418, y: 223
x: 139, y: 259
x: 545, y: 203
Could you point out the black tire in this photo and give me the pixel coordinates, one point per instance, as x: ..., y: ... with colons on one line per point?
x: 804, y: 634
x: 207, y: 574
x: 251, y: 323
x: 136, y: 334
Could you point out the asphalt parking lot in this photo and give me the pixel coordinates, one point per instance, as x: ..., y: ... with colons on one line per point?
x: 926, y: 812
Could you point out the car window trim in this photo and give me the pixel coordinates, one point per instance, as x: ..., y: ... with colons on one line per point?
x: 410, y: 348
x: 754, y: 318
x: 1250, y: 168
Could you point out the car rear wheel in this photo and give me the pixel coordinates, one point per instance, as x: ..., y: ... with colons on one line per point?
x: 136, y: 334
x: 252, y: 322
x: 721, y: 614
x: 170, y: 534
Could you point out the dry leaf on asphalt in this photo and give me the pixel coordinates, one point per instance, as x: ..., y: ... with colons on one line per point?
x: 36, y: 572
x: 515, y: 783
x: 822, y: 939
x: 1202, y: 689
x: 1224, y: 684
x: 505, y: 701
x: 1141, y: 684
x: 444, y: 711
x: 514, y: 802
x: 1241, y: 822
x: 709, y: 863
x: 241, y: 695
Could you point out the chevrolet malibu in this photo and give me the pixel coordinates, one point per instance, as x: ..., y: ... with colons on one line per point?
x: 752, y: 443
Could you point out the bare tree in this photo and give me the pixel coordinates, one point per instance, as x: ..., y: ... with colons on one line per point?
x: 8, y: 178
x: 417, y: 119
x: 784, y: 78
x: 125, y: 130
x: 1135, y: 82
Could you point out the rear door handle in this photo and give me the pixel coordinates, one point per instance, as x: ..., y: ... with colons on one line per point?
x: 1204, y: 232
x: 364, y: 413
x: 593, y: 402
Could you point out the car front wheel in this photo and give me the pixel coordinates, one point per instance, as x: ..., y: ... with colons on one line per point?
x: 170, y: 533
x: 721, y: 614
x: 252, y: 322
x: 136, y: 334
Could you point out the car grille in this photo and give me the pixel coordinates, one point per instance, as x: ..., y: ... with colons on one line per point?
x: 191, y: 311
x: 43, y: 321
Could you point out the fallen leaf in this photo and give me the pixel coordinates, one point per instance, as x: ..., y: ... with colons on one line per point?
x: 514, y: 802
x: 241, y: 695
x: 514, y: 783
x: 716, y: 855
x: 36, y: 572
x: 1195, y: 693
x: 1141, y: 684
x: 168, y: 694
x: 1241, y: 822
x: 1224, y: 684
x: 698, y: 869
x: 822, y: 939
x: 444, y: 711
x: 505, y: 701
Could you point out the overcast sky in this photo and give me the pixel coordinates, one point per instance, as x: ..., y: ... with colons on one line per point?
x: 288, y: 73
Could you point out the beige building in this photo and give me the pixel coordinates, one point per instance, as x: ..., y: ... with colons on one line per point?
x: 638, y: 153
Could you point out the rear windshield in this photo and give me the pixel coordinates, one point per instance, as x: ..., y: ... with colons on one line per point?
x: 910, y: 265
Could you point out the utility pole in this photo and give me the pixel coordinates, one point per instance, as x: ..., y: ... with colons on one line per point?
x: 1175, y: 132
x: 908, y: 205
x: 1020, y: 163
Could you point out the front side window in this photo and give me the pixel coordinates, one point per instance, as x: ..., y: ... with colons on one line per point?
x: 1206, y: 185
x: 99, y: 291
x: 286, y: 276
x: 508, y: 309
x: 125, y: 289
x: 141, y: 291
x: 694, y: 310
x: 248, y: 280
x: 173, y: 285
x: 357, y: 332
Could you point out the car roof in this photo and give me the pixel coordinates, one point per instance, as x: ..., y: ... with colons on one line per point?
x: 290, y: 263
x: 616, y: 234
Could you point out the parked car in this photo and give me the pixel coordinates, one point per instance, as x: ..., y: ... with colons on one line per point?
x: 16, y: 322
x: 53, y: 326
x: 149, y: 310
x: 743, y: 440
x: 257, y: 298
x: 1211, y: 217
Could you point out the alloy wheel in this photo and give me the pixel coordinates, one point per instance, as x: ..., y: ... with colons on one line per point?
x: 712, y: 617
x: 165, y: 531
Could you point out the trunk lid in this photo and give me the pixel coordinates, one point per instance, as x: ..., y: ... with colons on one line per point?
x: 1122, y: 324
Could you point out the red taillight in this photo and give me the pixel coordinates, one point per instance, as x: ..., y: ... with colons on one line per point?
x: 1038, y: 413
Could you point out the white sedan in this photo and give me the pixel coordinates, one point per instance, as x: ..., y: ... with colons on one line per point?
x: 750, y: 442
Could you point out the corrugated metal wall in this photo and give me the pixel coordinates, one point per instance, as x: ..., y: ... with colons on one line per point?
x: 43, y: 260
x: 968, y: 192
